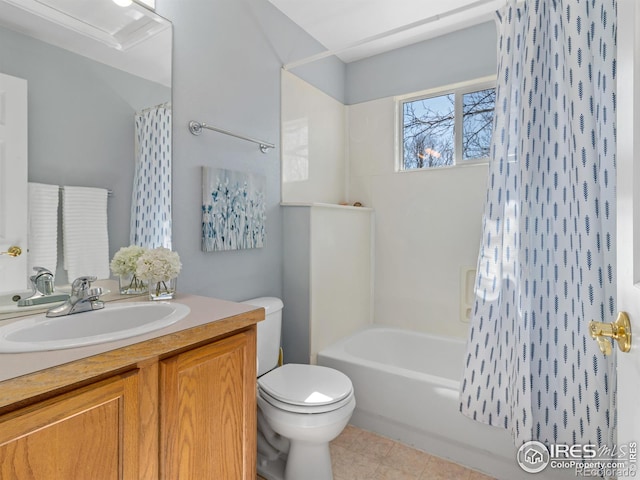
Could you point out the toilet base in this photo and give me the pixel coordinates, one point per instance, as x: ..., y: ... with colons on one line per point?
x: 311, y: 461
x: 271, y: 469
x: 308, y: 461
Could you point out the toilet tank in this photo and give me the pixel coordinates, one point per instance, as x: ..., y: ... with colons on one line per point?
x: 268, y: 332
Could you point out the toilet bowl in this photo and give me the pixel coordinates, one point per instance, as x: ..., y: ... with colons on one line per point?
x: 310, y: 406
x: 301, y: 408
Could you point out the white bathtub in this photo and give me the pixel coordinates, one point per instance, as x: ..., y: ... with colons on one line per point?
x: 406, y: 386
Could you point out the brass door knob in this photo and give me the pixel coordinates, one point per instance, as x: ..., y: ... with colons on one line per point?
x: 620, y: 330
x: 13, y: 251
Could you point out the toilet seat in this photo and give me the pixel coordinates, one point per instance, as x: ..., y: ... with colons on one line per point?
x: 302, y: 388
x: 288, y: 407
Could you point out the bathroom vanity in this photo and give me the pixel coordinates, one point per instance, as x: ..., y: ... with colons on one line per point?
x: 178, y: 403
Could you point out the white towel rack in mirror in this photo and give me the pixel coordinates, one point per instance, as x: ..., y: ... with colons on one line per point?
x: 196, y: 129
x: 109, y: 191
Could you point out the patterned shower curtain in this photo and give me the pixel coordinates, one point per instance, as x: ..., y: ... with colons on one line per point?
x: 151, y: 196
x: 547, y: 258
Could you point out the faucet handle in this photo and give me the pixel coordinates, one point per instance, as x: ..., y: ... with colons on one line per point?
x: 42, y: 281
x: 82, y: 284
x: 41, y: 271
x: 93, y: 293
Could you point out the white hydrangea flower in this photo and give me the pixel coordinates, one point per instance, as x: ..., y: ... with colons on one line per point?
x: 125, y: 260
x: 159, y: 264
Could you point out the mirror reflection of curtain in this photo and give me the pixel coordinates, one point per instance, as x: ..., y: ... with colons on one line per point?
x: 151, y: 196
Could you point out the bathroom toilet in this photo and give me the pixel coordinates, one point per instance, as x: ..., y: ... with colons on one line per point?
x: 301, y: 408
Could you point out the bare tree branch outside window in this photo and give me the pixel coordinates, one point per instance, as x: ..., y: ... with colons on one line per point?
x: 428, y: 132
x: 477, y: 123
x: 429, y: 126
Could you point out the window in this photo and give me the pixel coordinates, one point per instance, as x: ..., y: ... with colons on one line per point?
x: 447, y: 127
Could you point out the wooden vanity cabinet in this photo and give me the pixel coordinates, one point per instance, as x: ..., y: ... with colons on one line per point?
x: 187, y: 415
x: 208, y: 411
x: 89, y: 433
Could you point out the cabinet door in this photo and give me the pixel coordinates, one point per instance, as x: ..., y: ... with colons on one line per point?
x: 208, y: 411
x: 91, y: 433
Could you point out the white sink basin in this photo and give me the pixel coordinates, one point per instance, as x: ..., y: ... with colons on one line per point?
x: 114, y: 322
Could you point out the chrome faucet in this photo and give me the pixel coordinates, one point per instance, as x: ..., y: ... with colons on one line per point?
x: 43, y: 289
x: 83, y: 299
x: 42, y: 281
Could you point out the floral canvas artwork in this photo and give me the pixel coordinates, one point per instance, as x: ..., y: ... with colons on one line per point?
x: 233, y: 210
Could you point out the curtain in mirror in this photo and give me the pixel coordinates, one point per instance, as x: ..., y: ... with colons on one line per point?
x: 547, y: 258
x: 151, y: 196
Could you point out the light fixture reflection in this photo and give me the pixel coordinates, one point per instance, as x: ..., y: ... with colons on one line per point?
x: 428, y: 151
x: 123, y: 3
x: 317, y: 397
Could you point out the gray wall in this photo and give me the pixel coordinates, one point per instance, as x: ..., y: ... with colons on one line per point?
x: 433, y: 63
x: 226, y: 72
x: 81, y: 122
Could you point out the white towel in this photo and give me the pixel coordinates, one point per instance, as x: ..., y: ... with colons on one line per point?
x: 84, y: 229
x: 43, y: 226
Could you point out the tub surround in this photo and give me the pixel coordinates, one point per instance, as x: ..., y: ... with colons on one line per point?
x: 417, y: 213
x: 328, y: 276
x: 428, y: 224
x: 313, y: 159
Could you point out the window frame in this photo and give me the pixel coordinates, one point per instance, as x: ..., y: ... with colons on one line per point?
x: 458, y: 90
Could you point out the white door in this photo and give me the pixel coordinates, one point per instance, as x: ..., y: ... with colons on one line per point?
x: 13, y: 182
x: 628, y: 216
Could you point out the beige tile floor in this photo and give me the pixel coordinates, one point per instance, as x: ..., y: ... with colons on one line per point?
x: 360, y: 455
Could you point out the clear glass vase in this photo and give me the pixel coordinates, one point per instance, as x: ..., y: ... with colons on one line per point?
x: 131, y: 285
x: 162, y: 289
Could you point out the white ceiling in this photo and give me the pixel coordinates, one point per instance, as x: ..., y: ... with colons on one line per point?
x: 340, y: 23
x: 110, y: 34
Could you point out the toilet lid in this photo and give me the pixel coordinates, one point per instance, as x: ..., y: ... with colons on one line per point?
x: 307, y: 409
x: 306, y: 385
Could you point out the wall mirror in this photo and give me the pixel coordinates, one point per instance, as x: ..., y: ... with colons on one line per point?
x: 92, y: 69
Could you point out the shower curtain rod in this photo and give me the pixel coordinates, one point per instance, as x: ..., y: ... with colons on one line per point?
x: 196, y: 129
x: 161, y: 105
x: 388, y: 33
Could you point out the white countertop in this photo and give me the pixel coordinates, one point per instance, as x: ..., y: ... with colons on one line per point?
x: 204, y: 311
